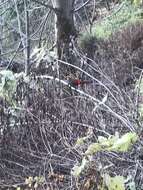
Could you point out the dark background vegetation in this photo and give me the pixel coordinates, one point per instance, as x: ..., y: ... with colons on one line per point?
x: 37, y: 138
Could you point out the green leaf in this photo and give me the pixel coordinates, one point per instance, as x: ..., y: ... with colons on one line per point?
x: 124, y: 143
x: 8, y: 81
x: 77, y: 170
x: 127, y: 14
x: 93, y: 148
x: 137, y: 2
x: 7, y: 85
x: 108, y: 142
x: 114, y: 183
x: 113, y: 143
x: 80, y: 141
x: 132, y: 185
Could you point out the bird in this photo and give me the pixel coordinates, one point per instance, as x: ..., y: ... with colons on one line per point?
x: 78, y: 82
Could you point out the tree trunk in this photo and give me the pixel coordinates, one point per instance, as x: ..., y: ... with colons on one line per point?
x: 64, y: 27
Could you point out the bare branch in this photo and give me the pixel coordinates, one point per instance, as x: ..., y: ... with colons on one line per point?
x: 83, y: 5
x: 45, y: 5
x: 10, y: 62
x: 43, y: 25
x: 27, y: 38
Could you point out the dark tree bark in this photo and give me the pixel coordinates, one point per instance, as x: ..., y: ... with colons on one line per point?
x: 64, y: 26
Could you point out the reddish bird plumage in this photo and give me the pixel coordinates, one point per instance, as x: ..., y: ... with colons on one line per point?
x: 77, y: 82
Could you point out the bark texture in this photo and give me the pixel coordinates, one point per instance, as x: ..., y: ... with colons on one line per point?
x: 64, y: 26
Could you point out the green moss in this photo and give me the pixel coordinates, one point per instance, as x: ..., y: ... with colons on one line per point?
x: 127, y: 14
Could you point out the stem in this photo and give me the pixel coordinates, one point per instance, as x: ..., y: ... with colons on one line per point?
x: 27, y: 39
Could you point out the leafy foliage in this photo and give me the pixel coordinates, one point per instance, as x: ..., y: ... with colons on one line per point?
x: 113, y: 143
x: 45, y: 133
x: 136, y: 2
x: 114, y: 183
x: 7, y: 85
x: 77, y: 170
x: 124, y: 143
x: 93, y: 148
x: 128, y: 13
x: 130, y: 183
x: 80, y: 141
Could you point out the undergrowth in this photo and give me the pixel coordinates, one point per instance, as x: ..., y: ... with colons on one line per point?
x: 56, y: 136
x: 125, y: 14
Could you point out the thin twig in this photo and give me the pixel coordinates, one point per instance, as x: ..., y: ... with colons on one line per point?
x: 14, y: 55
x: 83, y: 5
x: 27, y: 25
x: 44, y: 22
x: 95, y: 100
x: 45, y: 5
